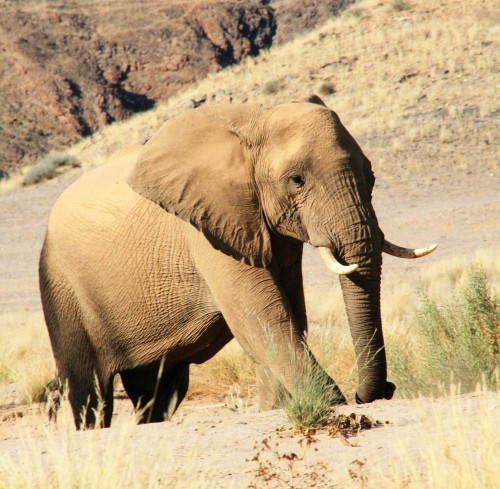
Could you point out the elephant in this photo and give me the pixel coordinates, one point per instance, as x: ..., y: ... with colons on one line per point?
x: 157, y: 259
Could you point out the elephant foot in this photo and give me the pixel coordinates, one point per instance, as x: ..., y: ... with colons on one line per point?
x: 390, y: 388
x: 337, y: 398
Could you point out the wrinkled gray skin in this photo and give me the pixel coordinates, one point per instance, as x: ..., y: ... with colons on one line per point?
x: 157, y: 259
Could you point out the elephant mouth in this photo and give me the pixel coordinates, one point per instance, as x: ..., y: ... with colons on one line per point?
x: 334, y: 266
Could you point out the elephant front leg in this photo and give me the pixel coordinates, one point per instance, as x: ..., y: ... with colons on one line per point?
x: 261, y: 318
x: 270, y: 392
x: 266, y: 388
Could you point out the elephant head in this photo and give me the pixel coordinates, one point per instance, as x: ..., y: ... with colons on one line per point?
x: 241, y: 174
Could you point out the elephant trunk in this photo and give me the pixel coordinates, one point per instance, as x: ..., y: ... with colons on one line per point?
x: 361, y: 291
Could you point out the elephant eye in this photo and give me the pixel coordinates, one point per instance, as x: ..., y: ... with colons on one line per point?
x: 296, y: 180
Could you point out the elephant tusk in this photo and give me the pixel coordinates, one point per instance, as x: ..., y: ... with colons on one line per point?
x: 394, y: 250
x: 332, y: 264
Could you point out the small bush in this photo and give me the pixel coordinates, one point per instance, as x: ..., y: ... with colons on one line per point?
x: 355, y: 12
x: 326, y: 88
x: 462, y: 337
x: 400, y: 5
x: 402, y: 368
x: 49, y: 167
x: 272, y: 87
x: 311, y: 404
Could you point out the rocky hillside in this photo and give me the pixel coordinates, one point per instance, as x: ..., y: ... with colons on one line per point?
x: 68, y: 68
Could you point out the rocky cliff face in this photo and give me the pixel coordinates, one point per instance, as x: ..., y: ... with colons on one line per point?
x: 66, y: 69
x: 296, y: 16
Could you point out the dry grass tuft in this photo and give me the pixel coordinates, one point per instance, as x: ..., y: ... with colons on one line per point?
x: 311, y: 404
x: 50, y: 166
x: 108, y: 459
x: 400, y: 5
x: 25, y: 353
x: 229, y: 371
x: 442, y: 465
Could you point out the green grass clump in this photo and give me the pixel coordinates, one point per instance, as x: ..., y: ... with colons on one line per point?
x: 49, y: 167
x: 461, y: 337
x: 311, y: 404
x: 355, y: 12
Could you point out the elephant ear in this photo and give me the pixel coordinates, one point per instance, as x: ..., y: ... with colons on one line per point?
x: 198, y: 166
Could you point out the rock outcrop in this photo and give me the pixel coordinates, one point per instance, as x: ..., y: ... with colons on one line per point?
x: 66, y: 69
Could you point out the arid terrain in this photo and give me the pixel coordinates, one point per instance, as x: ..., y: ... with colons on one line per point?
x: 68, y: 69
x: 230, y: 445
x: 417, y: 87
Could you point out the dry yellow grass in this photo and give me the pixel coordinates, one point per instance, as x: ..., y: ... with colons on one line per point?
x: 25, y: 353
x: 442, y: 466
x: 61, y: 458
x: 230, y: 372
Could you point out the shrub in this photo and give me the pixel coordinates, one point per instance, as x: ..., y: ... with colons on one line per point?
x: 326, y: 88
x: 400, y: 5
x: 355, y: 12
x: 272, y: 87
x: 462, y: 336
x: 311, y: 405
x: 402, y: 367
x: 49, y: 167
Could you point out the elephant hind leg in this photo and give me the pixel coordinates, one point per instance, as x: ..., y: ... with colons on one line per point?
x: 156, y: 395
x: 89, y: 389
x: 178, y: 384
x: 91, y: 401
x: 89, y: 383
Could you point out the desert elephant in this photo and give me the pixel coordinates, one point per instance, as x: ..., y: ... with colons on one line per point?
x: 159, y: 258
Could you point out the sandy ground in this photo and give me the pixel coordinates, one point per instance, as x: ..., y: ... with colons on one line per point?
x: 228, y: 445
x: 462, y: 215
